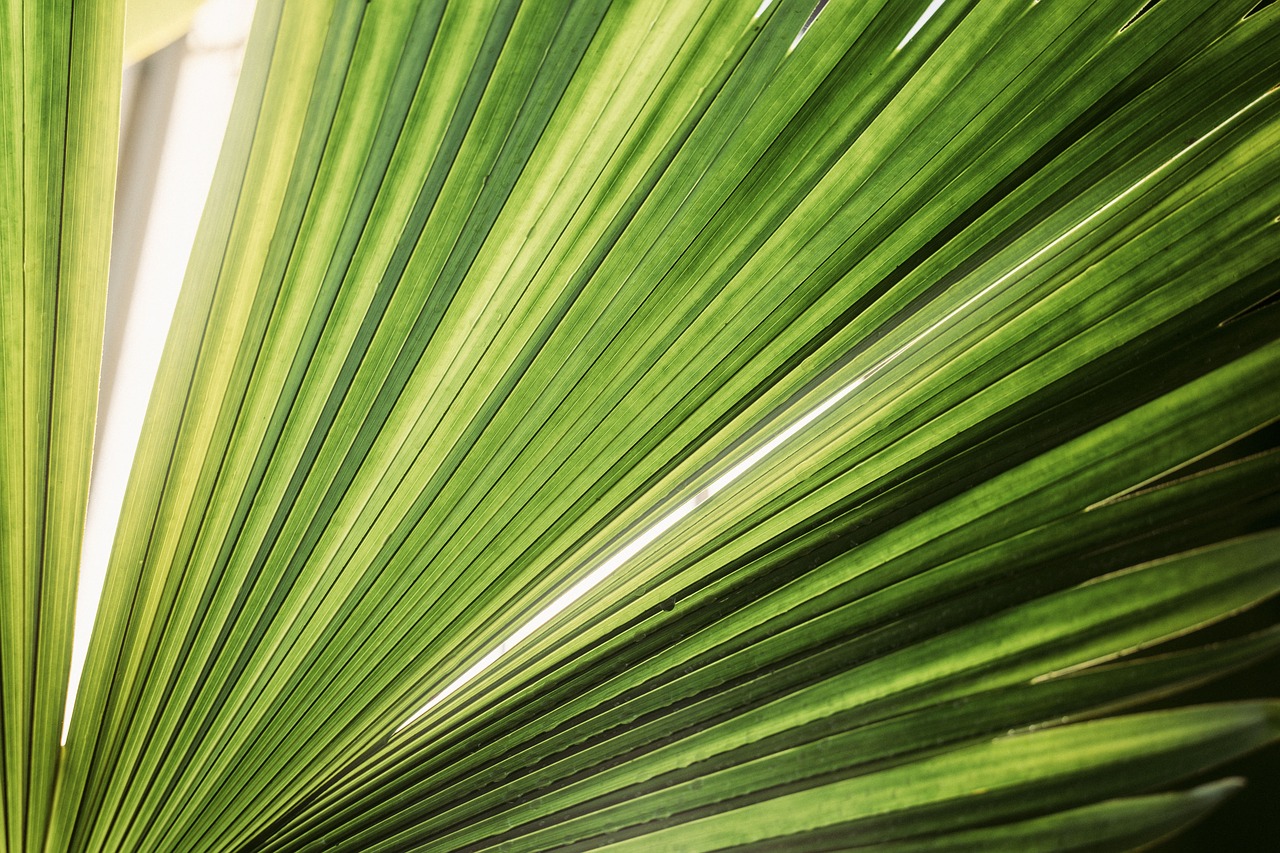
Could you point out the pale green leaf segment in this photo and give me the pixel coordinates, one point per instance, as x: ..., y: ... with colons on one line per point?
x: 59, y: 113
x: 149, y: 25
x: 485, y: 289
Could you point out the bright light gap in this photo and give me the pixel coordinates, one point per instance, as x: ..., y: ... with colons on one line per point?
x: 191, y: 127
x: 631, y: 549
x: 813, y: 16
x: 919, y: 24
x: 652, y: 533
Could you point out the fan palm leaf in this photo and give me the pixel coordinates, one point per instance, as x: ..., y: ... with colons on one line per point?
x: 660, y: 425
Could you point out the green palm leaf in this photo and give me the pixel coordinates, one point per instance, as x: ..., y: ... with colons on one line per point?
x: 59, y: 106
x: 674, y: 425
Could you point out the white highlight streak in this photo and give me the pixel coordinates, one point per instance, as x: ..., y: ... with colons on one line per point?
x: 813, y: 18
x: 763, y: 8
x: 919, y: 25
x: 604, y: 570
x: 634, y: 547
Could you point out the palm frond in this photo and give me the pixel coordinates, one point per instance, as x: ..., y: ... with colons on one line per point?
x: 678, y: 425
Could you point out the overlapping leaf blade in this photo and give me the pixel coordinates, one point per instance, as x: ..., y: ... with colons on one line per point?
x: 59, y: 104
